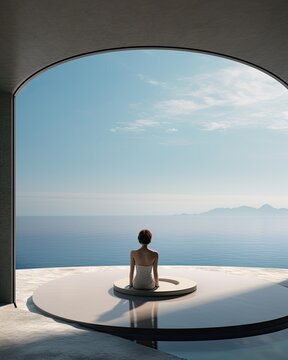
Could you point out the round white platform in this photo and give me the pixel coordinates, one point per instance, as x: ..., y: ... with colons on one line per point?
x: 224, y: 305
x: 167, y: 287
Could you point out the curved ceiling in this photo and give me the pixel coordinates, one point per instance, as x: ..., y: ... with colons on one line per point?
x: 36, y: 34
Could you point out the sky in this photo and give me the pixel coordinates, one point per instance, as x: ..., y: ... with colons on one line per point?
x: 150, y: 132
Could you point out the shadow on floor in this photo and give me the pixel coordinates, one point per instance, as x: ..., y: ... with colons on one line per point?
x: 284, y: 283
x: 84, y: 345
x: 33, y: 309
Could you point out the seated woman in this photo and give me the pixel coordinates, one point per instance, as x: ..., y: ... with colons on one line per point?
x: 144, y: 259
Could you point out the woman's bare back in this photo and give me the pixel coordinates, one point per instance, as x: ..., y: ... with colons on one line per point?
x: 144, y: 257
x: 145, y: 260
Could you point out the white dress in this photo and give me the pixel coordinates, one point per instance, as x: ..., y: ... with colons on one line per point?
x: 143, y: 278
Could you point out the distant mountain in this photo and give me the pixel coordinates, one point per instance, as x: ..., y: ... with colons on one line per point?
x: 265, y: 210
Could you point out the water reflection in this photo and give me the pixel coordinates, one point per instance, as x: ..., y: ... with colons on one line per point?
x: 144, y: 314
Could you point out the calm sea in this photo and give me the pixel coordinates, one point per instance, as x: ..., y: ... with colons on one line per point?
x: 180, y: 240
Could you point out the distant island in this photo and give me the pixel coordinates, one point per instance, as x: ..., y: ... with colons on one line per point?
x: 265, y: 210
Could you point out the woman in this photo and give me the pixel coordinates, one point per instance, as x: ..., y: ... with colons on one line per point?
x: 144, y: 259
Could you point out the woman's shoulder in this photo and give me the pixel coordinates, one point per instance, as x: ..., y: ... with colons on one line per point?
x: 132, y: 252
x: 154, y: 252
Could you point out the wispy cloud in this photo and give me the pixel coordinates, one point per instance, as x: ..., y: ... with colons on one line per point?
x: 236, y: 85
x: 178, y: 107
x: 136, y: 126
x: 279, y: 125
x: 172, y: 130
x: 243, y: 96
x: 237, y: 96
x: 216, y: 126
x: 151, y: 81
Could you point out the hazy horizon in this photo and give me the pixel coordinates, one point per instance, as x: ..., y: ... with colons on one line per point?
x: 174, y: 214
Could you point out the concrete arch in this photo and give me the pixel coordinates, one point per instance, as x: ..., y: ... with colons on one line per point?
x: 172, y: 48
x: 37, y: 34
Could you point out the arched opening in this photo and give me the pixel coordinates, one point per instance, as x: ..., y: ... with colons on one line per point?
x: 186, y: 141
x: 250, y: 32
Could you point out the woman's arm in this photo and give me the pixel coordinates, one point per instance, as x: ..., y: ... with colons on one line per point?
x: 155, y: 270
x: 132, y: 265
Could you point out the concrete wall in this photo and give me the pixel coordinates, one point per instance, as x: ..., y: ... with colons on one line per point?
x: 7, y: 263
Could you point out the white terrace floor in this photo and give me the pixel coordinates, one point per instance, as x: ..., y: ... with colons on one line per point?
x: 25, y: 334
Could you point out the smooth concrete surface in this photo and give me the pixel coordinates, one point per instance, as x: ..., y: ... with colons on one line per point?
x: 173, y: 286
x: 6, y: 199
x: 26, y: 335
x: 224, y: 305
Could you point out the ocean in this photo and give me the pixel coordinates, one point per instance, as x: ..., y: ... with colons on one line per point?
x: 180, y: 240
